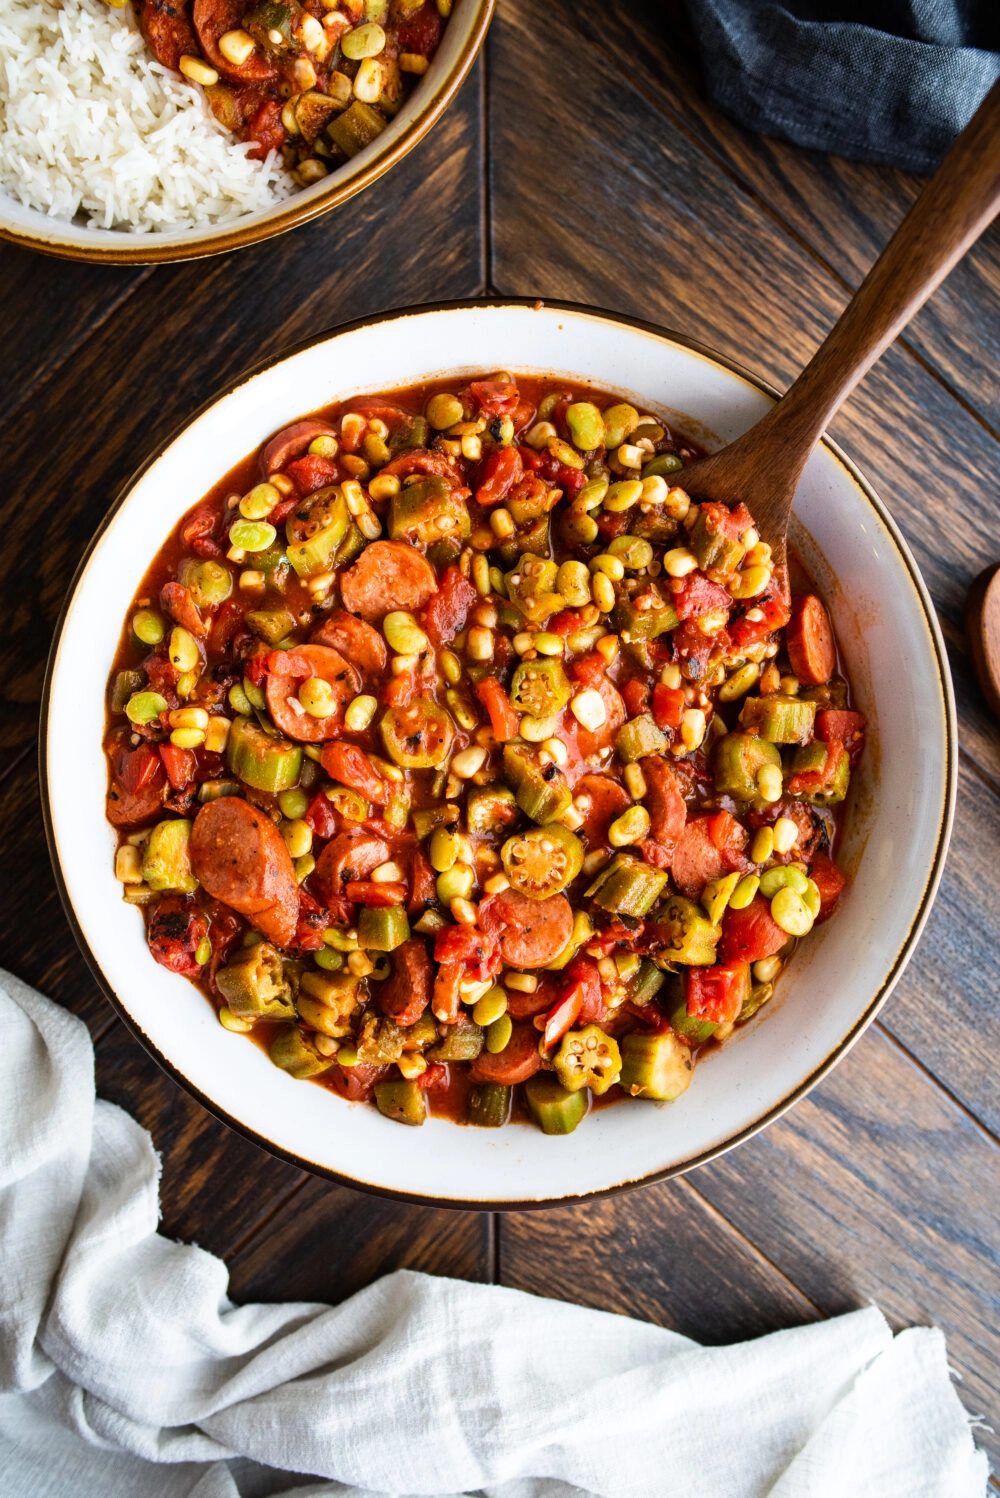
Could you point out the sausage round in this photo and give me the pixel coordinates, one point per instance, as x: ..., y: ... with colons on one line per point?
x: 166, y: 26
x: 518, y: 1060
x: 240, y: 858
x: 663, y: 801
x: 387, y: 576
x: 809, y: 642
x: 406, y: 992
x: 607, y: 800
x: 212, y: 19
x: 291, y: 443
x: 348, y: 857
x: 535, y: 931
x: 427, y: 463
x: 331, y: 668
x: 356, y: 641
x: 696, y: 859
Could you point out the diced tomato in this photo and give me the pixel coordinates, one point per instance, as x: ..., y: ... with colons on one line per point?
x: 570, y: 480
x: 312, y: 472
x: 265, y: 129
x: 352, y: 767
x: 717, y: 993
x: 226, y: 626
x: 503, y: 719
x: 583, y: 973
x: 497, y: 474
x: 668, y: 706
x: 283, y: 509
x: 835, y: 724
x: 436, y: 1075
x: 726, y: 522
x: 460, y: 943
x: 807, y: 782
x: 566, y: 622
x: 355, y: 1083
x: 775, y: 615
x: 321, y: 817
x: 726, y: 832
x: 313, y: 921
x: 830, y: 882
x: 446, y: 613
x: 493, y: 397
x: 421, y: 883
x: 138, y: 768
x: 255, y: 668
x: 175, y: 931
x: 751, y: 933
x: 589, y: 669
x: 699, y: 597
x: 367, y: 892
x: 695, y: 647
x: 562, y: 1016
x: 179, y: 765
x: 176, y: 601
x: 288, y: 663
x: 635, y: 695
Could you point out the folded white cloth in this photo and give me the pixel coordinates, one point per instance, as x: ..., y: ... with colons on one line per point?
x: 125, y: 1370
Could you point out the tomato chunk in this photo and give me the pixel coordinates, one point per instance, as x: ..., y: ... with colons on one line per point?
x: 750, y: 934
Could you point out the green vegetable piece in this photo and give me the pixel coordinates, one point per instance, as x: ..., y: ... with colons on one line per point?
x: 657, y: 1066
x: 647, y: 983
x: 588, y: 1058
x: 540, y: 791
x: 417, y: 737
x: 422, y: 1033
x: 294, y: 1052
x: 209, y: 583
x: 461, y: 1042
x: 637, y: 738
x: 834, y: 785
x: 489, y: 1105
x: 404, y: 1102
x: 272, y: 25
x: 586, y: 426
x: 166, y: 863
x: 554, y: 1109
x: 356, y: 128
x: 627, y: 886
x: 540, y: 687
x: 145, y: 707
x: 266, y: 763
x: 532, y: 507
x: 124, y: 686
x: 443, y: 815
x: 254, y: 984
x: 663, y: 464
x: 315, y: 529
x: 489, y: 809
x: 634, y: 623
x: 620, y: 422
x: 253, y: 535
x: 534, y: 593
x: 149, y: 626
x: 694, y: 1031
x: 271, y: 625
x: 760, y: 993
x: 688, y: 936
x: 542, y: 861
x: 780, y: 719
x: 738, y: 758
x: 382, y: 928
x: 380, y: 1040
x: 428, y: 511
x: 711, y: 545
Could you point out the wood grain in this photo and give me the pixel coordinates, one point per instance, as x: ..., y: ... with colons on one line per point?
x: 663, y: 1254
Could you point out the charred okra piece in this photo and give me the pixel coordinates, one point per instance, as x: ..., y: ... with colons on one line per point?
x: 627, y: 886
x: 294, y: 1052
x: 687, y: 935
x: 637, y: 738
x: 254, y: 984
x: 489, y: 808
x: 489, y: 1105
x: 541, y: 791
x: 657, y: 1066
x: 382, y: 928
x: 404, y: 1102
x: 739, y: 757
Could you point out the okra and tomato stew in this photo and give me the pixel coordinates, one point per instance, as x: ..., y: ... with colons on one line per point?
x: 467, y: 764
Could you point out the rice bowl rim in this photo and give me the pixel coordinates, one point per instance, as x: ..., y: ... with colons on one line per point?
x: 309, y: 203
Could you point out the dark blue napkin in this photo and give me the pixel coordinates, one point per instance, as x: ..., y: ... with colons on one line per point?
x: 876, y: 80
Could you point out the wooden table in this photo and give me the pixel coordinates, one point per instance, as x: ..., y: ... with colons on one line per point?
x: 581, y: 161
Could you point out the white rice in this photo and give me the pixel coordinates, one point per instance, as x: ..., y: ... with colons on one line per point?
x: 92, y: 125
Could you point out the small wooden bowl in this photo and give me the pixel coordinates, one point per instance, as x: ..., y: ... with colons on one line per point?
x: 460, y: 44
x: 982, y: 628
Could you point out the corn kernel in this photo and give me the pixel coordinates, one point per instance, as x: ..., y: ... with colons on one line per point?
x: 496, y: 884
x: 128, y: 865
x: 588, y: 709
x: 785, y: 835
x: 188, y: 738
x: 217, y: 734
x: 479, y: 644
x: 679, y: 562
x: 521, y: 982
x: 693, y: 725
x: 635, y: 781
x: 197, y: 71
x: 762, y: 846
x: 464, y: 911
x: 769, y: 782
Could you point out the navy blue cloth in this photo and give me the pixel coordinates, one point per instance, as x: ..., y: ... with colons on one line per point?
x: 888, y: 80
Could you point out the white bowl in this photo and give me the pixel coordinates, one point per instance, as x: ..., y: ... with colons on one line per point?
x: 460, y: 44
x: 900, y: 812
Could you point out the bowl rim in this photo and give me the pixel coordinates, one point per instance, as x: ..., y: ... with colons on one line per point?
x: 903, y: 955
x: 301, y: 208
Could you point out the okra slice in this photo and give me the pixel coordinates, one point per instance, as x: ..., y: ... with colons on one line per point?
x: 461, y: 1042
x: 489, y: 1105
x: 711, y: 545
x: 588, y: 1058
x: 647, y: 983
x: 419, y: 736
x: 541, y: 791
x: 688, y: 936
x: 780, y: 719
x: 627, y: 886
x: 542, y: 861
x: 267, y: 763
x: 657, y: 1066
x: 738, y: 759
x: 428, y: 511
x: 382, y: 928
x: 637, y: 738
x: 490, y: 808
x: 271, y: 624
x: 554, y: 1108
x: 166, y: 862
x: 644, y: 624
x: 315, y: 529
x: 293, y: 1052
x: 254, y: 984
x: 540, y: 687
x: 404, y: 1102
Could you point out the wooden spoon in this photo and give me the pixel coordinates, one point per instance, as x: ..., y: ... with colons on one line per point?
x: 982, y: 627
x: 763, y: 467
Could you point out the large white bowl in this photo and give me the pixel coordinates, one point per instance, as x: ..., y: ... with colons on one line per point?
x: 900, y: 815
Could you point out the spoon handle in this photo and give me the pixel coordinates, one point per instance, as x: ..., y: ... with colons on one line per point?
x: 953, y: 209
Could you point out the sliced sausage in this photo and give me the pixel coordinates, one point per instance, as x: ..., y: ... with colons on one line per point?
x: 527, y: 1005
x: 518, y: 1060
x: 663, y: 801
x: 212, y: 19
x: 607, y: 800
x: 590, y: 741
x: 428, y: 464
x: 357, y: 641
x: 387, y: 576
x: 291, y: 443
x: 348, y: 857
x: 166, y: 26
x: 352, y: 767
x: 533, y: 932
x: 696, y: 859
x: 240, y: 858
x: 406, y: 992
x: 282, y: 693
x: 175, y: 930
x: 809, y: 642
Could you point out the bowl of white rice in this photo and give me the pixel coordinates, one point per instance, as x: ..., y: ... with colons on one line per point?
x: 106, y: 155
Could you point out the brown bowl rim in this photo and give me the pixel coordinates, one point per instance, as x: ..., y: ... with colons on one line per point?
x: 770, y: 1115
x: 295, y: 212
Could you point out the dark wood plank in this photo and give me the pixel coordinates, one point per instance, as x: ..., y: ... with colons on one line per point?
x: 662, y: 1254
x: 844, y: 210
x: 877, y: 1187
x: 326, y: 1242
x: 188, y: 331
x: 47, y: 310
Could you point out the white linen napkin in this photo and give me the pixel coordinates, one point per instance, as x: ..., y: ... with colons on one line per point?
x: 125, y: 1370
